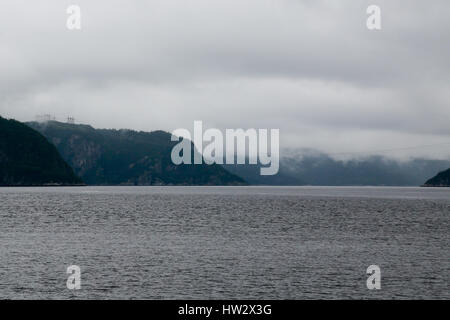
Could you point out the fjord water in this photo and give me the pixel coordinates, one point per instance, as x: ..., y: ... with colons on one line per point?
x: 224, y: 242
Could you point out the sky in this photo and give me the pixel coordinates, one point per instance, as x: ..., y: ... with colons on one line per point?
x: 309, y: 68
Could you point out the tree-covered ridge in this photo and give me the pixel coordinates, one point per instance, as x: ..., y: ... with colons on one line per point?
x: 28, y: 159
x: 442, y: 179
x: 319, y: 169
x: 127, y: 157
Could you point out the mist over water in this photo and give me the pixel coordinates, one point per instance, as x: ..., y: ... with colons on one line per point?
x: 224, y: 242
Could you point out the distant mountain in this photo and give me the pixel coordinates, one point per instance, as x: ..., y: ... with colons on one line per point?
x: 251, y: 174
x: 318, y: 169
x: 372, y: 170
x: 28, y: 159
x: 126, y: 157
x: 442, y: 179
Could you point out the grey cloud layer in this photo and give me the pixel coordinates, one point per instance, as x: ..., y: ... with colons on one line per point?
x: 310, y: 68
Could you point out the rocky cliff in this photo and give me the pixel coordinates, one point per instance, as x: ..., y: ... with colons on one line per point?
x: 127, y: 157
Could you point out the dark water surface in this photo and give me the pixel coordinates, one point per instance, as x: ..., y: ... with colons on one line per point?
x: 224, y: 242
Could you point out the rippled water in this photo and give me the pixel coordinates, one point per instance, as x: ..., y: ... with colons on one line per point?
x: 224, y: 242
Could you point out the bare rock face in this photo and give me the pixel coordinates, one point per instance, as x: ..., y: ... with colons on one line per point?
x: 126, y: 157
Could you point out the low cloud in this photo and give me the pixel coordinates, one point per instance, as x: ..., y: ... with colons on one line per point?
x: 309, y: 68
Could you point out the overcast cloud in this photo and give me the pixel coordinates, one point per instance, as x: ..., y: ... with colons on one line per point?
x: 310, y: 68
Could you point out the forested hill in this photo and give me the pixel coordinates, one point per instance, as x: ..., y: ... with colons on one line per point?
x: 319, y: 169
x: 127, y: 157
x: 28, y: 159
x: 442, y: 179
